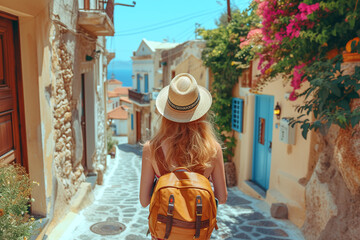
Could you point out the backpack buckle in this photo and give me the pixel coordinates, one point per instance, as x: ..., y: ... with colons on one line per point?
x: 171, y: 205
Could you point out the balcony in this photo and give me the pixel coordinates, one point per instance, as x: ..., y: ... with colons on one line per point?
x: 137, y: 97
x: 99, y: 22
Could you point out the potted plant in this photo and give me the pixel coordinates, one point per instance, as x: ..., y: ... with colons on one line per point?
x: 15, y: 190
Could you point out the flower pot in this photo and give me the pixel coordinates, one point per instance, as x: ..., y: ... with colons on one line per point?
x: 230, y: 174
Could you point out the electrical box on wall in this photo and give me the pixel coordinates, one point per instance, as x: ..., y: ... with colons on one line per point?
x: 287, y: 133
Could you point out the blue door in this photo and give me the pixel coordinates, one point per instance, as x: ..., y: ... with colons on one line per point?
x: 146, y: 83
x: 263, y: 126
x: 138, y: 82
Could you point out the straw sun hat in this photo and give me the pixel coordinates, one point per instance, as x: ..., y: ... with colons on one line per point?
x: 183, y: 100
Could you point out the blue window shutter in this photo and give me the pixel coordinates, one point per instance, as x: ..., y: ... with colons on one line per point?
x: 138, y: 82
x: 237, y: 114
x: 132, y: 121
x: 146, y: 83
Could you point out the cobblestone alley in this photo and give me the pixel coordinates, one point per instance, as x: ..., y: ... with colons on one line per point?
x: 116, y: 201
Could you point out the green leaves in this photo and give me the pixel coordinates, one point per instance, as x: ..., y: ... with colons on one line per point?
x: 221, y: 52
x: 15, y: 193
x: 332, y: 101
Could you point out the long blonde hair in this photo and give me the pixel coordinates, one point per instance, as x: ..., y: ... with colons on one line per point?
x: 191, y: 145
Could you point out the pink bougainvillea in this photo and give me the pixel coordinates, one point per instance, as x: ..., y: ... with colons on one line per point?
x: 253, y: 37
x: 275, y: 29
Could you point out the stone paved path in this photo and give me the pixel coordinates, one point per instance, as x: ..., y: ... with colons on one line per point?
x: 242, y: 217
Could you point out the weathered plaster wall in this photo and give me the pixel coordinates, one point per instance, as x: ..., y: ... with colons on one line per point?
x: 175, y: 56
x: 99, y: 160
x: 34, y: 43
x: 195, y: 67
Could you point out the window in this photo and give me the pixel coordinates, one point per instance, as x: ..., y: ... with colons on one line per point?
x: 146, y: 83
x: 237, y: 114
x: 132, y: 121
x: 138, y: 82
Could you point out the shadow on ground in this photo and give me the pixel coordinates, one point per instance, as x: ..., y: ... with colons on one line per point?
x: 137, y: 148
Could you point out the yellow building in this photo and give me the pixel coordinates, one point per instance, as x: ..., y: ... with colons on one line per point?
x: 52, y: 98
x: 273, y: 160
x: 186, y: 58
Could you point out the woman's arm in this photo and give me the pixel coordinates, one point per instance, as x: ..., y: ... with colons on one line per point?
x: 147, y: 176
x: 218, y: 177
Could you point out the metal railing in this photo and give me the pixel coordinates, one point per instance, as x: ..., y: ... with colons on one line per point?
x: 142, y: 98
x: 104, y: 6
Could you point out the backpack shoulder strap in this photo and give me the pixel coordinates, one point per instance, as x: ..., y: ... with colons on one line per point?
x: 161, y: 164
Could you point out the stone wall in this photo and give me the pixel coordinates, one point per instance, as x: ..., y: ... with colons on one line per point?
x: 69, y: 173
x: 333, y: 192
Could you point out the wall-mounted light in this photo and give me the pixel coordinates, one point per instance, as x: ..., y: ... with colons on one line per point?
x: 94, y: 54
x: 141, y: 77
x: 277, y: 111
x: 133, y: 76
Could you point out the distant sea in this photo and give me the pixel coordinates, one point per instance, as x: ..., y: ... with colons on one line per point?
x: 124, y: 75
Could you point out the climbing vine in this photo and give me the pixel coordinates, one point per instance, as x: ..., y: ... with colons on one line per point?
x: 298, y: 41
x: 226, y: 62
x: 329, y: 97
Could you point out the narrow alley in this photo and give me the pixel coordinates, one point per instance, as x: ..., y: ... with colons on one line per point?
x: 116, y: 201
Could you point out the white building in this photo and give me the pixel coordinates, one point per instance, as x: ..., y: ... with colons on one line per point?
x: 147, y: 80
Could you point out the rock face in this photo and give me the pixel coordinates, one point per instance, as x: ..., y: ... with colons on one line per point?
x: 333, y: 192
x: 347, y: 150
x: 347, y: 157
x: 320, y: 203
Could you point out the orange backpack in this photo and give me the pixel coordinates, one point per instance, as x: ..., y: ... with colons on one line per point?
x: 182, y: 207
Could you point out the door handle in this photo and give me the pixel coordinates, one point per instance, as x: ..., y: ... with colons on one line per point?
x: 270, y: 146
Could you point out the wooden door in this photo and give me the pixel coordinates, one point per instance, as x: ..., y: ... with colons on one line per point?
x: 12, y: 127
x: 264, y: 106
x: 138, y: 126
x: 83, y: 122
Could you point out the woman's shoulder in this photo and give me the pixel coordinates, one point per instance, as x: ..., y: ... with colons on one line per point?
x: 146, y: 144
x: 218, y: 146
x: 146, y: 149
x: 219, y: 153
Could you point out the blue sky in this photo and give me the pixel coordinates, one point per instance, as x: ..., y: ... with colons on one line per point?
x: 156, y: 20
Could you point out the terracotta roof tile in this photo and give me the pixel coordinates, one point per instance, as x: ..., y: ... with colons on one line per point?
x: 118, y: 113
x: 122, y: 90
x: 112, y: 94
x: 114, y: 81
x: 125, y: 99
